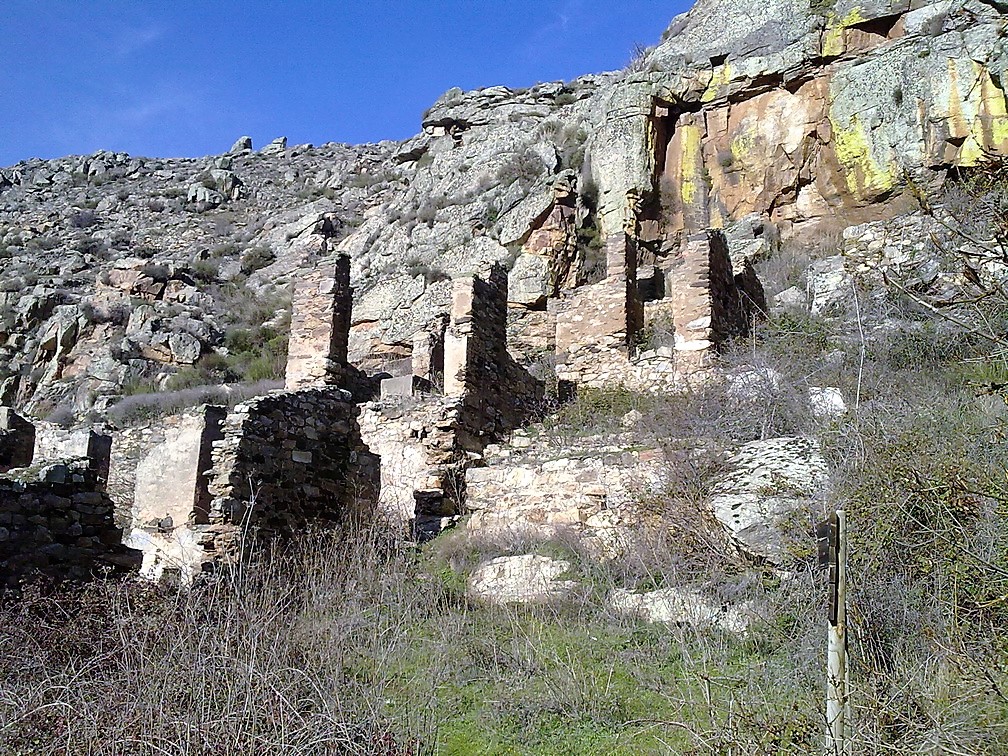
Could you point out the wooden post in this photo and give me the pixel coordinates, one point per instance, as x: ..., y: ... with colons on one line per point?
x: 836, y: 668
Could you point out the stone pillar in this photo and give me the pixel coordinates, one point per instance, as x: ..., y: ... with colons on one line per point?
x: 17, y: 440
x: 497, y: 393
x: 457, y: 337
x: 320, y: 324
x: 711, y: 302
x: 475, y: 345
x: 428, y: 360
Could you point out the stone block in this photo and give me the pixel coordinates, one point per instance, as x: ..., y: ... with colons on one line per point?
x: 53, y: 443
x: 17, y: 440
x: 405, y: 385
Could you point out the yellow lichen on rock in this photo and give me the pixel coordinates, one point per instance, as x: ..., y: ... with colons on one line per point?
x: 990, y: 127
x: 690, y: 162
x: 979, y: 117
x: 834, y: 39
x: 742, y: 144
x: 864, y: 176
x: 719, y: 80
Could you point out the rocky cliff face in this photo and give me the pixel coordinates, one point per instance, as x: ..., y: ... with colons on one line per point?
x: 767, y: 119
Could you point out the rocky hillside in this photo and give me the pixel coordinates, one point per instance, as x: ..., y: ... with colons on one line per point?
x: 124, y: 275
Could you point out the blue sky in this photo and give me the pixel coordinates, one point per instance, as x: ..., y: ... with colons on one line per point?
x: 183, y: 78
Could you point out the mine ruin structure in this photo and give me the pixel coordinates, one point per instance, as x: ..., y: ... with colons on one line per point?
x: 629, y: 209
x: 190, y: 491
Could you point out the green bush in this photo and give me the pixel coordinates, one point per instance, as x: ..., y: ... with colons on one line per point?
x: 256, y: 354
x: 256, y: 258
x: 205, y: 270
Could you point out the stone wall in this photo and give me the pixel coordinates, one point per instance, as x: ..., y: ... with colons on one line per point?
x: 172, y: 496
x: 596, y: 327
x: 286, y: 460
x: 427, y: 357
x: 320, y: 325
x: 422, y: 466
x: 425, y: 443
x: 171, y: 479
x: 57, y: 521
x: 17, y: 440
x: 708, y: 298
x: 54, y: 443
x: 587, y: 490
x: 130, y: 446
x: 496, y: 393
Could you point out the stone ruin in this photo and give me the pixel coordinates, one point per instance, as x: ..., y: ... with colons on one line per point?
x: 189, y: 490
x: 56, y: 519
x: 17, y: 440
x: 650, y: 312
x: 425, y: 448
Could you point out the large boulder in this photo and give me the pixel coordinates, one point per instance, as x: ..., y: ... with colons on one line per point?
x: 527, y: 578
x: 772, y: 496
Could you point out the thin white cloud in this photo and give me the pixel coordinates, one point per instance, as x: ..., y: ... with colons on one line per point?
x: 132, y: 39
x: 120, y: 117
x: 547, y: 38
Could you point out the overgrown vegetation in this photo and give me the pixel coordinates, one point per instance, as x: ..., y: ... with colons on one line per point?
x: 143, y: 402
x: 352, y: 644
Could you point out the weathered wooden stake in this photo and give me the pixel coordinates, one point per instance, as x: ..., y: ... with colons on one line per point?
x: 836, y: 671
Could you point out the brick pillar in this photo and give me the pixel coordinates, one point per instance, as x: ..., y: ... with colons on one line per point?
x: 320, y: 324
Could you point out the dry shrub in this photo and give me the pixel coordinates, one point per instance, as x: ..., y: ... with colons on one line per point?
x: 284, y: 655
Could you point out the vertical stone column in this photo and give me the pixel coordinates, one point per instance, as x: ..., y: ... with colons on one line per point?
x: 691, y: 298
x: 711, y: 303
x: 497, y: 392
x: 320, y: 323
x: 428, y: 359
x: 457, y: 337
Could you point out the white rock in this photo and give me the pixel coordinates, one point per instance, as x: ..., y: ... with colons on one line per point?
x: 829, y: 284
x: 826, y: 402
x: 683, y: 606
x: 520, y: 579
x: 632, y: 419
x: 753, y: 384
x: 772, y: 495
x: 791, y: 298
